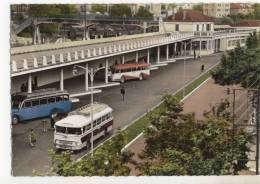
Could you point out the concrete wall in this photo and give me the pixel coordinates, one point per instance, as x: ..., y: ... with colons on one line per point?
x: 188, y: 26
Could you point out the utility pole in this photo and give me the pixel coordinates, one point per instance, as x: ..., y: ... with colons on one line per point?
x: 85, y: 17
x: 257, y: 133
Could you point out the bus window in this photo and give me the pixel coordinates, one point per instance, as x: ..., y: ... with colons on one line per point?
x: 35, y: 102
x: 65, y: 98
x: 58, y: 99
x: 51, y: 100
x: 128, y: 70
x: 27, y: 104
x: 99, y: 121
x: 43, y: 101
x: 88, y: 126
x: 94, y: 123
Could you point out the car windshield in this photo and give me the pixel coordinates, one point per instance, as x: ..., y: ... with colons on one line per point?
x: 68, y: 130
x: 16, y: 100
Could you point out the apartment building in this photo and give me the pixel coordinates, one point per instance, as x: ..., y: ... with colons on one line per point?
x: 216, y: 10
x: 241, y: 8
x: 189, y: 21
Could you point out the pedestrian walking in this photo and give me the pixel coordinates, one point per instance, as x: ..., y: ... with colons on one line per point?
x: 32, y: 138
x: 52, y: 121
x: 202, y: 68
x: 122, y: 91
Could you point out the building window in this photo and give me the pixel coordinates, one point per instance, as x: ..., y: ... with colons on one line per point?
x: 208, y: 27
x: 176, y: 27
x: 198, y: 27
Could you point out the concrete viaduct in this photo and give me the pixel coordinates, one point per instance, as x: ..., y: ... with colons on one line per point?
x: 49, y: 63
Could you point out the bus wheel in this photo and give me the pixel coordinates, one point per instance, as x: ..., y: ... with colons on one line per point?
x: 15, y: 120
x: 122, y: 79
x: 141, y: 77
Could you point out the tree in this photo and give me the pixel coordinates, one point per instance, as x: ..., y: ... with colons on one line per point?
x: 227, y: 20
x: 120, y: 10
x: 142, y: 12
x: 98, y: 8
x: 198, y: 7
x: 241, y: 66
x: 177, y: 144
x: 53, y: 11
x: 110, y: 159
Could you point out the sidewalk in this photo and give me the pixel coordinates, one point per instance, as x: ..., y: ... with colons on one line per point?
x: 199, y: 101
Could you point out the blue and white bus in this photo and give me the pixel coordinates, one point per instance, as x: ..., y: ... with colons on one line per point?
x: 40, y: 103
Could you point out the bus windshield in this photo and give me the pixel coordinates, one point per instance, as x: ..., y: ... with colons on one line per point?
x: 68, y: 130
x: 16, y: 100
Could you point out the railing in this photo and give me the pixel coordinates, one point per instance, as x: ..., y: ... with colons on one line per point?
x: 103, y: 50
x: 222, y: 32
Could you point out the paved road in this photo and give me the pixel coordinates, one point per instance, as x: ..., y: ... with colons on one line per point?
x: 140, y: 96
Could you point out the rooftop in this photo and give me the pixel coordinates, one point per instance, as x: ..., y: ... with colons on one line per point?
x: 190, y: 16
x: 240, y: 6
x: 248, y: 23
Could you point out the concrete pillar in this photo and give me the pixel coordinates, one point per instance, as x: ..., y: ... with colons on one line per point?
x: 175, y: 49
x: 35, y: 63
x: 190, y: 47
x: 30, y: 83
x: 61, y: 79
x: 86, y: 77
x: 14, y: 66
x: 105, y: 50
x: 68, y: 56
x: 158, y: 54
x: 200, y: 47
x: 53, y: 59
x: 106, y: 71
x: 88, y: 53
x: 76, y: 55
x: 99, y: 51
x: 123, y: 59
x: 44, y: 60
x: 185, y: 49
x: 148, y: 56
x: 167, y: 52
x: 61, y: 58
x: 94, y: 52
x: 82, y: 54
x: 136, y: 57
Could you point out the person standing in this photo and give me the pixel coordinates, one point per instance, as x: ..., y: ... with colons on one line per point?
x: 122, y: 91
x: 202, y: 68
x: 52, y: 121
x: 32, y: 138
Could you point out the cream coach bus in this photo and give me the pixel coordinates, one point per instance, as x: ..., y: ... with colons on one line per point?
x: 74, y: 131
x: 124, y: 72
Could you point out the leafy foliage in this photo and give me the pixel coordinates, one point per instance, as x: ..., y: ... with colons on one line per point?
x: 120, y: 10
x: 198, y: 7
x: 107, y: 160
x: 98, y: 8
x: 52, y: 10
x: 177, y: 144
x: 142, y: 12
x: 241, y: 65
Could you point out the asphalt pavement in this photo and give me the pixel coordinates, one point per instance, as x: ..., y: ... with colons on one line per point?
x: 140, y: 97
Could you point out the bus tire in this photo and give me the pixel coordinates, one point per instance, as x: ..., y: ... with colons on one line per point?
x: 15, y: 120
x: 122, y: 80
x: 141, y: 77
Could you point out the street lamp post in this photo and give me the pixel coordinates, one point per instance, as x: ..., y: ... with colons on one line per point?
x: 92, y: 73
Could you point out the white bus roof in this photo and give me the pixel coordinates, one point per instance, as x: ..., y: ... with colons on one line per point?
x: 81, y: 117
